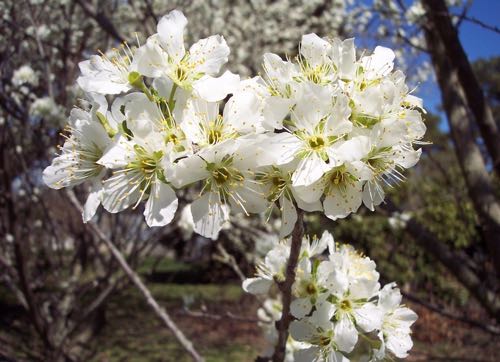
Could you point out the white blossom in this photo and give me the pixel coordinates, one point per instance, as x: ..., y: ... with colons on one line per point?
x: 335, y: 301
x: 24, y: 75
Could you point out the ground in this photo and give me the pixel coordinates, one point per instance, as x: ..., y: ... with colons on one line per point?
x: 134, y: 333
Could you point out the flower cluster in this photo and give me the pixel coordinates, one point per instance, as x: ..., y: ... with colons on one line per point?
x: 338, y: 306
x: 323, y: 132
x: 24, y: 75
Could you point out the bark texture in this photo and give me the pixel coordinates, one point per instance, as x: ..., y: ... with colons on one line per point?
x: 446, y: 34
x: 286, y: 288
x: 460, y: 120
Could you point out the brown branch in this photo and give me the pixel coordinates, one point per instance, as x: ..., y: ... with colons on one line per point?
x: 136, y: 280
x: 444, y: 44
x: 495, y: 330
x: 481, y: 23
x: 218, y: 317
x: 454, y: 261
x: 286, y: 288
x: 228, y: 259
x: 464, y: 103
x: 101, y: 19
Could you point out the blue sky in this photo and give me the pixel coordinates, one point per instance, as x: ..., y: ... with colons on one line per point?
x: 477, y: 42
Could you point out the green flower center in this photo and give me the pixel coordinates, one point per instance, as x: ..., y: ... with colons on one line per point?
x: 311, y: 288
x: 316, y: 142
x: 345, y: 305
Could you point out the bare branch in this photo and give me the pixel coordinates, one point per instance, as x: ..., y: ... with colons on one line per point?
x: 134, y: 277
x: 229, y: 259
x: 495, y: 330
x: 101, y: 19
x: 286, y: 288
x: 218, y: 317
x: 481, y: 23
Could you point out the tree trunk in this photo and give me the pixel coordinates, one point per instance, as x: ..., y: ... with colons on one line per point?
x: 455, y: 262
x: 440, y: 20
x: 473, y: 166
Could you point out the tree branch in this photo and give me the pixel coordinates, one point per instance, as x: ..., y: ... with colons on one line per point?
x: 101, y: 19
x: 495, y: 330
x: 229, y: 260
x: 481, y: 23
x: 455, y: 262
x: 286, y: 288
x: 136, y: 280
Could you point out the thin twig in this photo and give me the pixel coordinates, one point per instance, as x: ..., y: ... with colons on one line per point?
x: 286, y: 288
x: 101, y: 19
x: 134, y: 277
x: 482, y: 24
x: 228, y: 259
x: 218, y: 317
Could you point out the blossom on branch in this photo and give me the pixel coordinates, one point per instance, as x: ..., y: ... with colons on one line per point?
x: 337, y: 304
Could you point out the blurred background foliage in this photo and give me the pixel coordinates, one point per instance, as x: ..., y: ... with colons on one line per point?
x: 64, y: 298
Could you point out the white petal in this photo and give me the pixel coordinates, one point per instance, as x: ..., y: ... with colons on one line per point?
x: 351, y: 150
x: 359, y: 169
x: 216, y: 89
x: 310, y: 193
x: 187, y: 171
x: 380, y: 63
x: 314, y: 49
x: 120, y: 192
x: 414, y: 101
x: 347, y: 66
x: 389, y: 297
x: 248, y: 199
x: 405, y: 315
x: 119, y: 154
x: 171, y: 34
x: 332, y: 279
x: 308, y: 206
x: 209, y: 215
x: 373, y: 195
x: 93, y: 201
x: 300, y: 307
x: 399, y: 344
x: 257, y: 285
x: 320, y: 245
x: 279, y: 148
x: 278, y: 71
x: 198, y: 113
x: 58, y: 174
x: 275, y: 110
x: 241, y: 113
x: 416, y: 125
x: 302, y: 330
x: 288, y: 217
x: 150, y: 60
x: 407, y: 158
x: 365, y: 288
x: 209, y: 54
x: 306, y: 115
x: 339, y: 123
x: 336, y: 356
x: 368, y: 317
x: 307, y: 355
x: 345, y: 334
x: 101, y: 76
x: 309, y: 170
x: 161, y: 205
x: 342, y: 202
x: 322, y: 315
